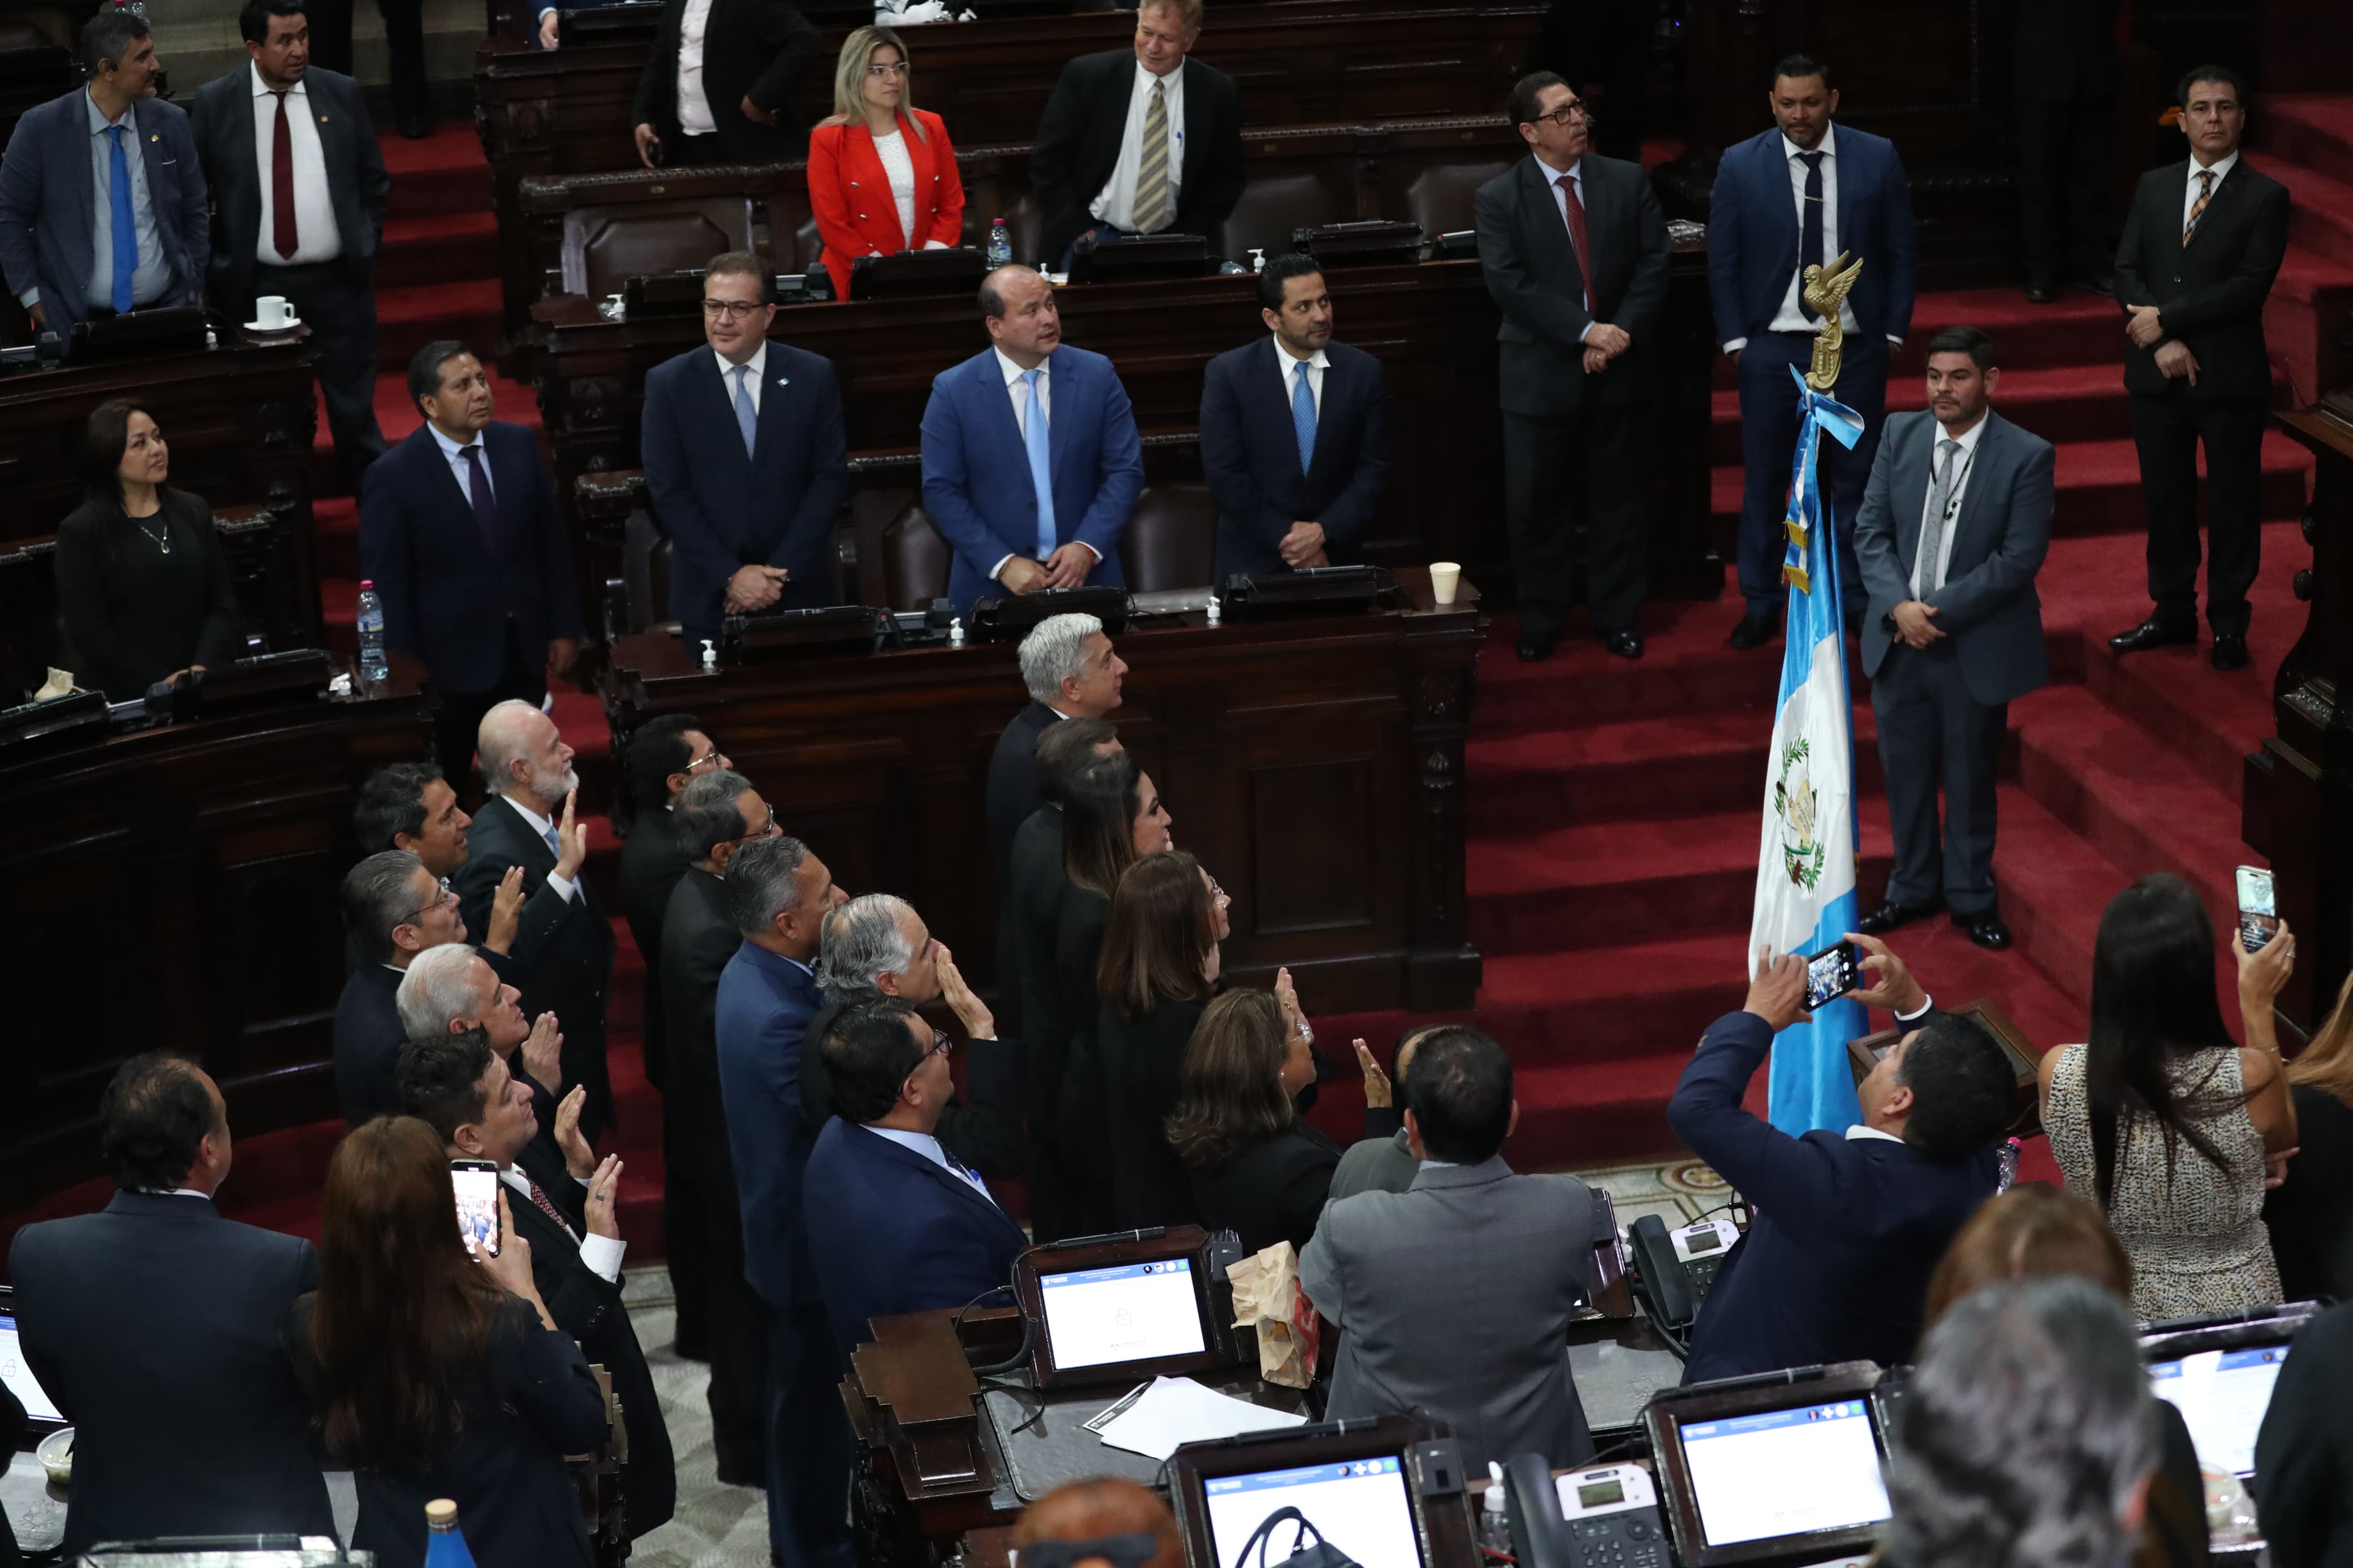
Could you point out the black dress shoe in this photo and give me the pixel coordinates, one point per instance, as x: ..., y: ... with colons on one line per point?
x: 2153, y: 633
x: 1986, y: 928
x: 2230, y: 650
x: 2041, y: 294
x: 1889, y: 915
x: 1624, y: 644
x: 2103, y: 284
x: 415, y: 127
x: 1537, y: 646
x: 1754, y: 631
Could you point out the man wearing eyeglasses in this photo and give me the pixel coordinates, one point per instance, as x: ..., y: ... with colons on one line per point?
x: 743, y: 454
x: 394, y: 909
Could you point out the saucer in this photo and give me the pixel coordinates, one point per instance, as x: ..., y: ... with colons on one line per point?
x: 286, y: 326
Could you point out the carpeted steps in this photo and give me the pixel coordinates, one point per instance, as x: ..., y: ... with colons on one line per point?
x: 2306, y: 142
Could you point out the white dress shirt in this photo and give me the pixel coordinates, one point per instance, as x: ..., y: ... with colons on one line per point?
x: 152, y: 274
x: 1016, y: 387
x: 541, y: 826
x: 757, y: 364
x: 2220, y: 169
x: 693, y: 106
x: 1964, y: 465
x: 602, y: 1254
x: 1116, y: 203
x: 454, y: 452
x: 1289, y: 364
x: 926, y: 1145
x: 1858, y: 1132
x: 316, y: 238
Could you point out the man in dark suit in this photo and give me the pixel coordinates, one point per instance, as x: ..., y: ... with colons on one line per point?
x: 2065, y: 70
x: 1028, y: 503
x: 1574, y: 249
x: 744, y: 462
x: 393, y: 910
x: 1954, y: 528
x: 1295, y: 433
x: 299, y: 187
x: 159, y: 1330
x: 779, y: 892
x: 460, y: 534
x: 101, y: 200
x: 563, y: 956
x: 452, y: 988
x: 897, y: 1223
x: 2203, y: 241
x: 1141, y: 141
x: 410, y: 805
x: 1071, y: 671
x: 739, y: 110
x: 1798, y: 196
x: 1847, y: 1228
x: 459, y: 1087
x: 665, y: 753
x: 717, y: 813
x: 1381, y: 1263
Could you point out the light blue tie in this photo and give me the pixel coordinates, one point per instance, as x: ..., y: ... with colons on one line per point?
x: 1037, y: 438
x: 1302, y: 417
x: 747, y: 418
x: 126, y: 232
x: 553, y: 841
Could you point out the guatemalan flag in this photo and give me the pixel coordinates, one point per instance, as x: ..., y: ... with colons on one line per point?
x: 1806, y: 861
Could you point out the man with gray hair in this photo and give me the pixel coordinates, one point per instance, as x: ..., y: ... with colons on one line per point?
x: 2026, y: 1434
x: 393, y: 910
x: 877, y: 947
x: 452, y: 989
x: 563, y: 957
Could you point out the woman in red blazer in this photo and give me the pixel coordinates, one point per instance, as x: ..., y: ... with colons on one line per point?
x: 882, y: 174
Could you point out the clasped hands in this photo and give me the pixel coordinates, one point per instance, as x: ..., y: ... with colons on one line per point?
x: 1916, y: 625
x: 1604, y: 343
x: 754, y: 587
x: 1066, y: 568
x: 2174, y: 359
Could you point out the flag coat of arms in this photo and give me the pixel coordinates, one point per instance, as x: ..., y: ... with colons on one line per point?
x: 1805, y: 859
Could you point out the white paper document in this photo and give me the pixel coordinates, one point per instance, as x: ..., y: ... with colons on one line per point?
x: 1176, y: 1411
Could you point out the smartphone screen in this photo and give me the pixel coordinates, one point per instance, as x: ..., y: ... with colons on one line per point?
x: 2258, y: 915
x: 1830, y: 974
x: 477, y: 1181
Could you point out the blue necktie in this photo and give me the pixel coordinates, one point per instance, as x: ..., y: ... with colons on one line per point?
x: 747, y: 417
x: 1036, y: 438
x: 554, y: 843
x: 126, y: 230
x: 477, y: 493
x: 1809, y: 244
x: 1303, y: 415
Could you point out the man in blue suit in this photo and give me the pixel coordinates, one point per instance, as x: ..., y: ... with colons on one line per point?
x: 1786, y: 199
x: 1026, y: 505
x: 1295, y: 433
x: 103, y: 203
x: 459, y: 532
x: 896, y: 1223
x: 779, y: 894
x: 1848, y: 1227
x: 742, y: 446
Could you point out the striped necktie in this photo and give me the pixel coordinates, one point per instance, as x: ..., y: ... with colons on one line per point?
x: 2205, y: 195
x: 1152, y: 213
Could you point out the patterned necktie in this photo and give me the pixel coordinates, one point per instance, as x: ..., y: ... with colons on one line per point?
x: 1151, y: 212
x: 2205, y: 195
x: 1932, y: 532
x: 552, y: 1212
x: 1038, y: 439
x: 1809, y: 241
x: 477, y: 493
x: 283, y: 235
x: 1576, y: 239
x: 126, y: 232
x: 747, y: 416
x: 1303, y: 415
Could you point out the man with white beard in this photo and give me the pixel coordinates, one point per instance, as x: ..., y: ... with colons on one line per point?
x: 563, y: 955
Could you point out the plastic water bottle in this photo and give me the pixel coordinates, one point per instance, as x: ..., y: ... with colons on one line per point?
x: 1495, y: 1515
x: 445, y: 1547
x: 370, y: 620
x: 1000, y: 245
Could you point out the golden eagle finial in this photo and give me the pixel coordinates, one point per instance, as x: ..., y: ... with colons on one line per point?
x: 1826, y: 288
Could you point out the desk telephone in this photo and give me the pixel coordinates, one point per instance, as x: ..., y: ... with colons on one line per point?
x: 1606, y: 1516
x: 1677, y: 1268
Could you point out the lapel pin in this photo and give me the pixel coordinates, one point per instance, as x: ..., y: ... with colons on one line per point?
x: 155, y: 137
x: 784, y: 381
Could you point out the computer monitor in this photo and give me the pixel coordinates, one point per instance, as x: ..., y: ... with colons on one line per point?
x: 1359, y: 1506
x: 40, y: 1411
x: 1122, y: 1311
x: 1385, y: 1494
x: 2219, y: 1376
x: 1793, y: 1471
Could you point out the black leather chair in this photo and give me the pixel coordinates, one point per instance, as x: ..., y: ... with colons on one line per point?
x: 1171, y: 541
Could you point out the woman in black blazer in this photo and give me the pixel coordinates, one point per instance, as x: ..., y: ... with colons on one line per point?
x: 143, y: 583
x: 2310, y: 1214
x: 433, y: 1376
x: 1258, y: 1168
x: 1158, y: 970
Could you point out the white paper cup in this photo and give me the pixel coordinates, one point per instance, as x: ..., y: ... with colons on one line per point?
x: 1443, y: 577
x: 272, y: 310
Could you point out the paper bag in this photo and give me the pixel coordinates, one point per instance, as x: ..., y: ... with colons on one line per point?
x: 60, y: 683
x: 1266, y: 1297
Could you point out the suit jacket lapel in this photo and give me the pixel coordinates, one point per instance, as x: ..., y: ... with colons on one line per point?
x: 1843, y: 168
x: 1552, y: 232
x: 244, y: 210
x: 1992, y: 452
x: 1063, y: 397
x: 1912, y: 490
x: 773, y: 423
x: 940, y: 1176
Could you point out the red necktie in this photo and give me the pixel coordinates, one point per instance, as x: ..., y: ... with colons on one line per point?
x: 551, y: 1211
x: 282, y: 232
x: 1577, y: 234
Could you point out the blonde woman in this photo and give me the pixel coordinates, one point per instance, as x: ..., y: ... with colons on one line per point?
x: 881, y: 173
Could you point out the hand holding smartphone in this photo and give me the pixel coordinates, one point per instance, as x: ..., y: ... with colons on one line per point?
x: 1831, y: 974
x: 477, y: 1183
x: 2258, y: 910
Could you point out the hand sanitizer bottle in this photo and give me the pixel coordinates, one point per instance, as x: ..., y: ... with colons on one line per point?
x: 710, y: 655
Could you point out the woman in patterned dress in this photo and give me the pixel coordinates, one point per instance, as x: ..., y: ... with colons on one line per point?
x: 2160, y: 1117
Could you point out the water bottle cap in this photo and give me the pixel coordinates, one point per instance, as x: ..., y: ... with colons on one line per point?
x: 441, y: 1513
x: 365, y: 583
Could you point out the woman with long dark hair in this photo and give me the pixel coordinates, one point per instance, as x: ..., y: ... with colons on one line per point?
x: 432, y: 1376
x: 1257, y: 1167
x: 2161, y: 1118
x: 143, y: 583
x: 1158, y: 970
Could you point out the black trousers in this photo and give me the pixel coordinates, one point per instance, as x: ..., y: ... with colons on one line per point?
x: 461, y: 713
x: 2062, y: 163
x: 810, y: 1448
x: 1563, y: 478
x: 1932, y: 732
x: 717, y: 1309
x: 2167, y: 428
x: 404, y: 36
x: 340, y: 314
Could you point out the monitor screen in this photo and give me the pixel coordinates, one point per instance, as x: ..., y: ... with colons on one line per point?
x: 2222, y: 1395
x: 1360, y: 1505
x: 19, y: 1377
x: 1132, y: 1311
x: 1786, y: 1472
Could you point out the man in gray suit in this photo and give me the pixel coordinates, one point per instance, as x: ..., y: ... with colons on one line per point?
x: 1376, y: 1164
x: 101, y: 202
x: 1389, y: 1269
x: 1953, y: 529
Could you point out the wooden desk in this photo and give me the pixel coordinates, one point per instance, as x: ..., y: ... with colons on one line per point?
x: 177, y: 887
x: 1315, y: 764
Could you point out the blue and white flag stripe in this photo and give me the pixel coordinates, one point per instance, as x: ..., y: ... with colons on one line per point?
x: 1806, y: 858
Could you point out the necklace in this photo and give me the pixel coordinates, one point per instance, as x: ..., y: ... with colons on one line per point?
x: 162, y: 541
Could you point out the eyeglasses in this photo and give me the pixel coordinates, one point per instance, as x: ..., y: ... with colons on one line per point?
x: 713, y: 758
x: 1575, y: 108
x: 899, y: 70
x: 767, y: 829
x: 941, y: 1046
x: 734, y: 310
x: 443, y: 897
x: 1217, y: 895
